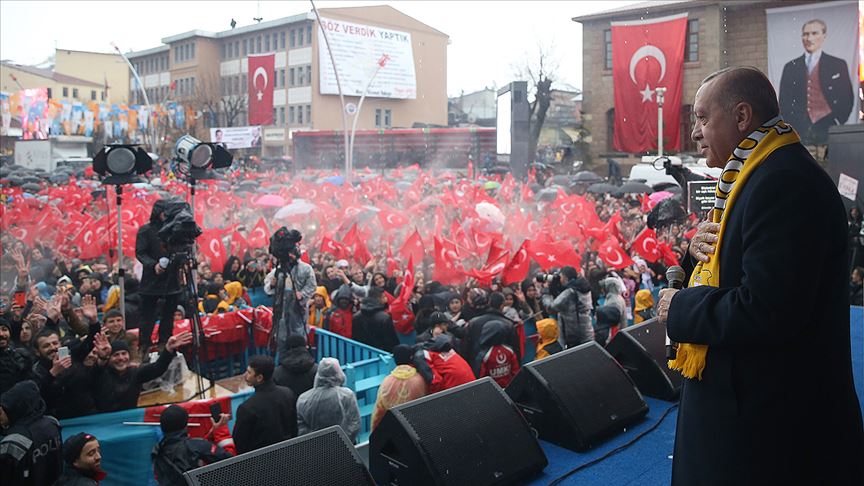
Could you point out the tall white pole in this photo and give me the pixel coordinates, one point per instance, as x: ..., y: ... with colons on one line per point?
x: 143, y: 93
x: 381, y: 63
x: 348, y: 162
x: 660, y: 93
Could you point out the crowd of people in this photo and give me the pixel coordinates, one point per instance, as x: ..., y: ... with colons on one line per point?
x: 66, y: 350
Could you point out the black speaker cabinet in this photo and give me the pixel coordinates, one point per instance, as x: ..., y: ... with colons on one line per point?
x: 469, y: 435
x: 641, y: 351
x: 577, y: 397
x: 323, y: 457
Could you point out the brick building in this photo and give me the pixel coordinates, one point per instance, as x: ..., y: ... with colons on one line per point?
x: 719, y: 34
x: 203, y: 66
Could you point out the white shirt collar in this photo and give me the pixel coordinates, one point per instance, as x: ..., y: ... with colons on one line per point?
x: 813, y: 57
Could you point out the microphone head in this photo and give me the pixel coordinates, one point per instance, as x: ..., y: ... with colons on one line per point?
x: 675, y: 275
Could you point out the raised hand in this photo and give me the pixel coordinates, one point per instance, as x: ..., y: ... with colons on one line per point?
x: 101, y: 345
x: 54, y: 308
x: 88, y: 308
x: 178, y: 341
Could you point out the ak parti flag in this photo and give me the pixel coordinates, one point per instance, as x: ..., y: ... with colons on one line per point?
x: 647, y: 54
x: 261, y: 73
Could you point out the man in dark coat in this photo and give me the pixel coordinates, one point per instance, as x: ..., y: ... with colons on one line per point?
x: 775, y: 403
x: 815, y: 91
x: 297, y: 368
x: 373, y: 325
x: 158, y: 278
x: 14, y: 364
x: 30, y: 450
x: 177, y: 453
x: 472, y: 344
x: 270, y: 415
x: 83, y: 461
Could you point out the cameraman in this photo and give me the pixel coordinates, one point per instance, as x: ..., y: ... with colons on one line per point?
x: 300, y: 286
x: 157, y: 279
x: 572, y: 303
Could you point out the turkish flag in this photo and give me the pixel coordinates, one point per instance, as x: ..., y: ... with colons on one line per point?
x: 647, y: 54
x: 517, y: 269
x: 259, y: 237
x: 353, y: 242
x: 213, y: 249
x: 446, y: 270
x: 669, y: 256
x: 645, y: 245
x: 391, y: 262
x: 391, y: 220
x: 261, y: 73
x: 239, y: 245
x: 333, y: 248
x: 613, y: 255
x: 413, y: 249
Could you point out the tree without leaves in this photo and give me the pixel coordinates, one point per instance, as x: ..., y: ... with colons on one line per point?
x: 540, y: 74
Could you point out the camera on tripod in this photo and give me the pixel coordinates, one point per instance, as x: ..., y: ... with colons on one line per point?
x: 179, y: 230
x: 553, y: 279
x: 283, y: 245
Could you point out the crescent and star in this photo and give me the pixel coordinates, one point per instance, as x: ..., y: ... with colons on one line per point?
x: 263, y: 72
x: 645, y: 52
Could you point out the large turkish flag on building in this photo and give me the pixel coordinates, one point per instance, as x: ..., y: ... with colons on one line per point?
x: 647, y: 54
x: 261, y: 89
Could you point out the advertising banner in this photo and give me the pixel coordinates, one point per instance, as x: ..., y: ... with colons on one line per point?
x: 359, y: 50
x: 236, y: 137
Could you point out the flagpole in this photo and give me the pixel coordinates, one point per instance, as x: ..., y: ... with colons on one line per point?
x: 121, y: 271
x: 660, y: 93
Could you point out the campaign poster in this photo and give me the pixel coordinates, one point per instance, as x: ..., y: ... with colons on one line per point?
x: 236, y: 137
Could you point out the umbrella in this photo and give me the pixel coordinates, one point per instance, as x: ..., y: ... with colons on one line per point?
x: 659, y: 196
x: 298, y: 207
x: 32, y: 187
x: 549, y: 194
x: 491, y: 215
x: 270, y: 201
x: 665, y: 213
x: 587, y: 176
x: 558, y: 180
x: 603, y: 188
x: 498, y: 170
x: 491, y: 185
x: 633, y: 187
x: 336, y: 180
x: 402, y: 185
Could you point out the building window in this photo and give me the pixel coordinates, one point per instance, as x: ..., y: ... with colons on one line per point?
x: 610, y: 130
x: 275, y: 41
x: 291, y: 77
x: 258, y: 44
x: 224, y: 51
x: 309, y: 114
x: 301, y: 76
x: 236, y: 49
x: 309, y: 74
x: 291, y: 114
x: 92, y: 95
x: 281, y: 116
x: 282, y: 78
x: 49, y: 93
x: 242, y: 84
x: 300, y: 36
x: 691, y: 50
x: 102, y: 96
x: 388, y: 118
x: 309, y: 34
x: 192, y: 85
x: 300, y: 115
x: 75, y: 93
x: 267, y: 43
x: 282, y: 40
x: 292, y: 41
x: 245, y: 46
x: 607, y: 36
x: 378, y: 117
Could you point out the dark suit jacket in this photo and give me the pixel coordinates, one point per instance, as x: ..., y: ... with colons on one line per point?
x: 267, y: 417
x: 776, y: 403
x: 836, y: 87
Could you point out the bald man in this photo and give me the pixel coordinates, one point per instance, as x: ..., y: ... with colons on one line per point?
x: 768, y: 396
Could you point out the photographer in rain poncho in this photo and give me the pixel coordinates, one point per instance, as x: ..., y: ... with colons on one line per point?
x: 328, y: 402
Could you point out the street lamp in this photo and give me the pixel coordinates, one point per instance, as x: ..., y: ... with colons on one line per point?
x: 660, y: 93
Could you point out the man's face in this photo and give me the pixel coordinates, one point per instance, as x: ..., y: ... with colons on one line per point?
x: 36, y: 254
x: 812, y: 37
x: 90, y: 458
x: 47, y: 346
x: 716, y: 131
x: 357, y: 276
x: 178, y: 316
x: 252, y: 378
x: 119, y: 361
x: 5, y: 335
x: 330, y: 272
x: 114, y: 324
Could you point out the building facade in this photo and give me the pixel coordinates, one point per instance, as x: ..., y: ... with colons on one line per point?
x: 14, y: 77
x: 106, y: 69
x: 719, y: 34
x: 209, y: 72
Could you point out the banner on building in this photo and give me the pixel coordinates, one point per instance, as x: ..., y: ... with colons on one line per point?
x: 361, y: 50
x: 646, y: 55
x: 261, y: 74
x: 236, y: 137
x: 812, y: 60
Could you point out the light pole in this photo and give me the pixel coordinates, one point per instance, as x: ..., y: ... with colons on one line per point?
x: 381, y: 63
x: 143, y: 93
x: 660, y: 93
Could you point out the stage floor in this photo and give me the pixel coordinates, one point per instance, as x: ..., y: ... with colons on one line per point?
x: 187, y: 390
x: 648, y: 461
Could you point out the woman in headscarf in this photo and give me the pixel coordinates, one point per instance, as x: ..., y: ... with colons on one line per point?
x: 318, y: 307
x: 547, y: 344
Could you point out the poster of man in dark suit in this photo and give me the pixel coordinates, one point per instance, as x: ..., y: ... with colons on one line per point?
x: 815, y: 90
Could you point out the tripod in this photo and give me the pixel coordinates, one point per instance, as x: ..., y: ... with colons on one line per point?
x: 186, y: 275
x: 283, y: 274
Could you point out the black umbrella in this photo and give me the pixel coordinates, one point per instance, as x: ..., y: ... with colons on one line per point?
x: 558, y: 180
x: 15, y: 181
x: 603, y: 188
x: 549, y: 194
x: 666, y: 212
x: 632, y: 187
x: 587, y: 176
x: 31, y: 187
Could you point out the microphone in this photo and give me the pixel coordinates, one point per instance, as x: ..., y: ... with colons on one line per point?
x: 675, y: 276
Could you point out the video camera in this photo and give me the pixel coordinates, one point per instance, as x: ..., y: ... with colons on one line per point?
x: 554, y: 280
x: 283, y: 245
x: 179, y: 230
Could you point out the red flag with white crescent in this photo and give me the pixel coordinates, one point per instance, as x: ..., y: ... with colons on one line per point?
x: 213, y: 249
x: 613, y: 255
x: 446, y: 269
x: 646, y: 55
x: 261, y: 74
x: 645, y: 245
x: 413, y: 249
x: 259, y: 237
x: 517, y: 269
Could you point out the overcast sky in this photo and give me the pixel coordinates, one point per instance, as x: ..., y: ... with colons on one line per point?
x: 486, y: 38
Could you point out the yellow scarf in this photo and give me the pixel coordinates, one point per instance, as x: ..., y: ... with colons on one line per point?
x: 749, y: 154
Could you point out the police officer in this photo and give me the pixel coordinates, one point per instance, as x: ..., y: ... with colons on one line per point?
x: 31, y: 452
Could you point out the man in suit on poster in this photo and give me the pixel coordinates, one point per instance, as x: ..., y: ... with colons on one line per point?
x: 815, y: 90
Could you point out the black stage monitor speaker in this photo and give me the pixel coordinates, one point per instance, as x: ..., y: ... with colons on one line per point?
x: 323, y: 457
x: 641, y: 351
x: 469, y: 435
x: 577, y: 397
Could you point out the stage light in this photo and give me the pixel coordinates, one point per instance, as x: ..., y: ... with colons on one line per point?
x: 201, y: 155
x: 121, y: 163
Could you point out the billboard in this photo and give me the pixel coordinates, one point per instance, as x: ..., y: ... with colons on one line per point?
x: 502, y: 123
x: 359, y: 51
x: 236, y: 137
x: 812, y: 60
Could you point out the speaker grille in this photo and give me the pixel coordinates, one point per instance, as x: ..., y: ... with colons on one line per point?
x: 591, y: 387
x: 325, y: 457
x: 481, y: 456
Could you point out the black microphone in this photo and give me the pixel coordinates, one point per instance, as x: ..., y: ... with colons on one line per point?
x: 675, y: 275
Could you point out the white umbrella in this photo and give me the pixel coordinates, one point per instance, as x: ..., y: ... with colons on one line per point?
x: 491, y: 215
x: 298, y: 207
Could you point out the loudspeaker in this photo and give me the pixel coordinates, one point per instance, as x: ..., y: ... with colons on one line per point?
x: 471, y: 434
x: 323, y: 457
x: 577, y: 397
x: 641, y: 351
